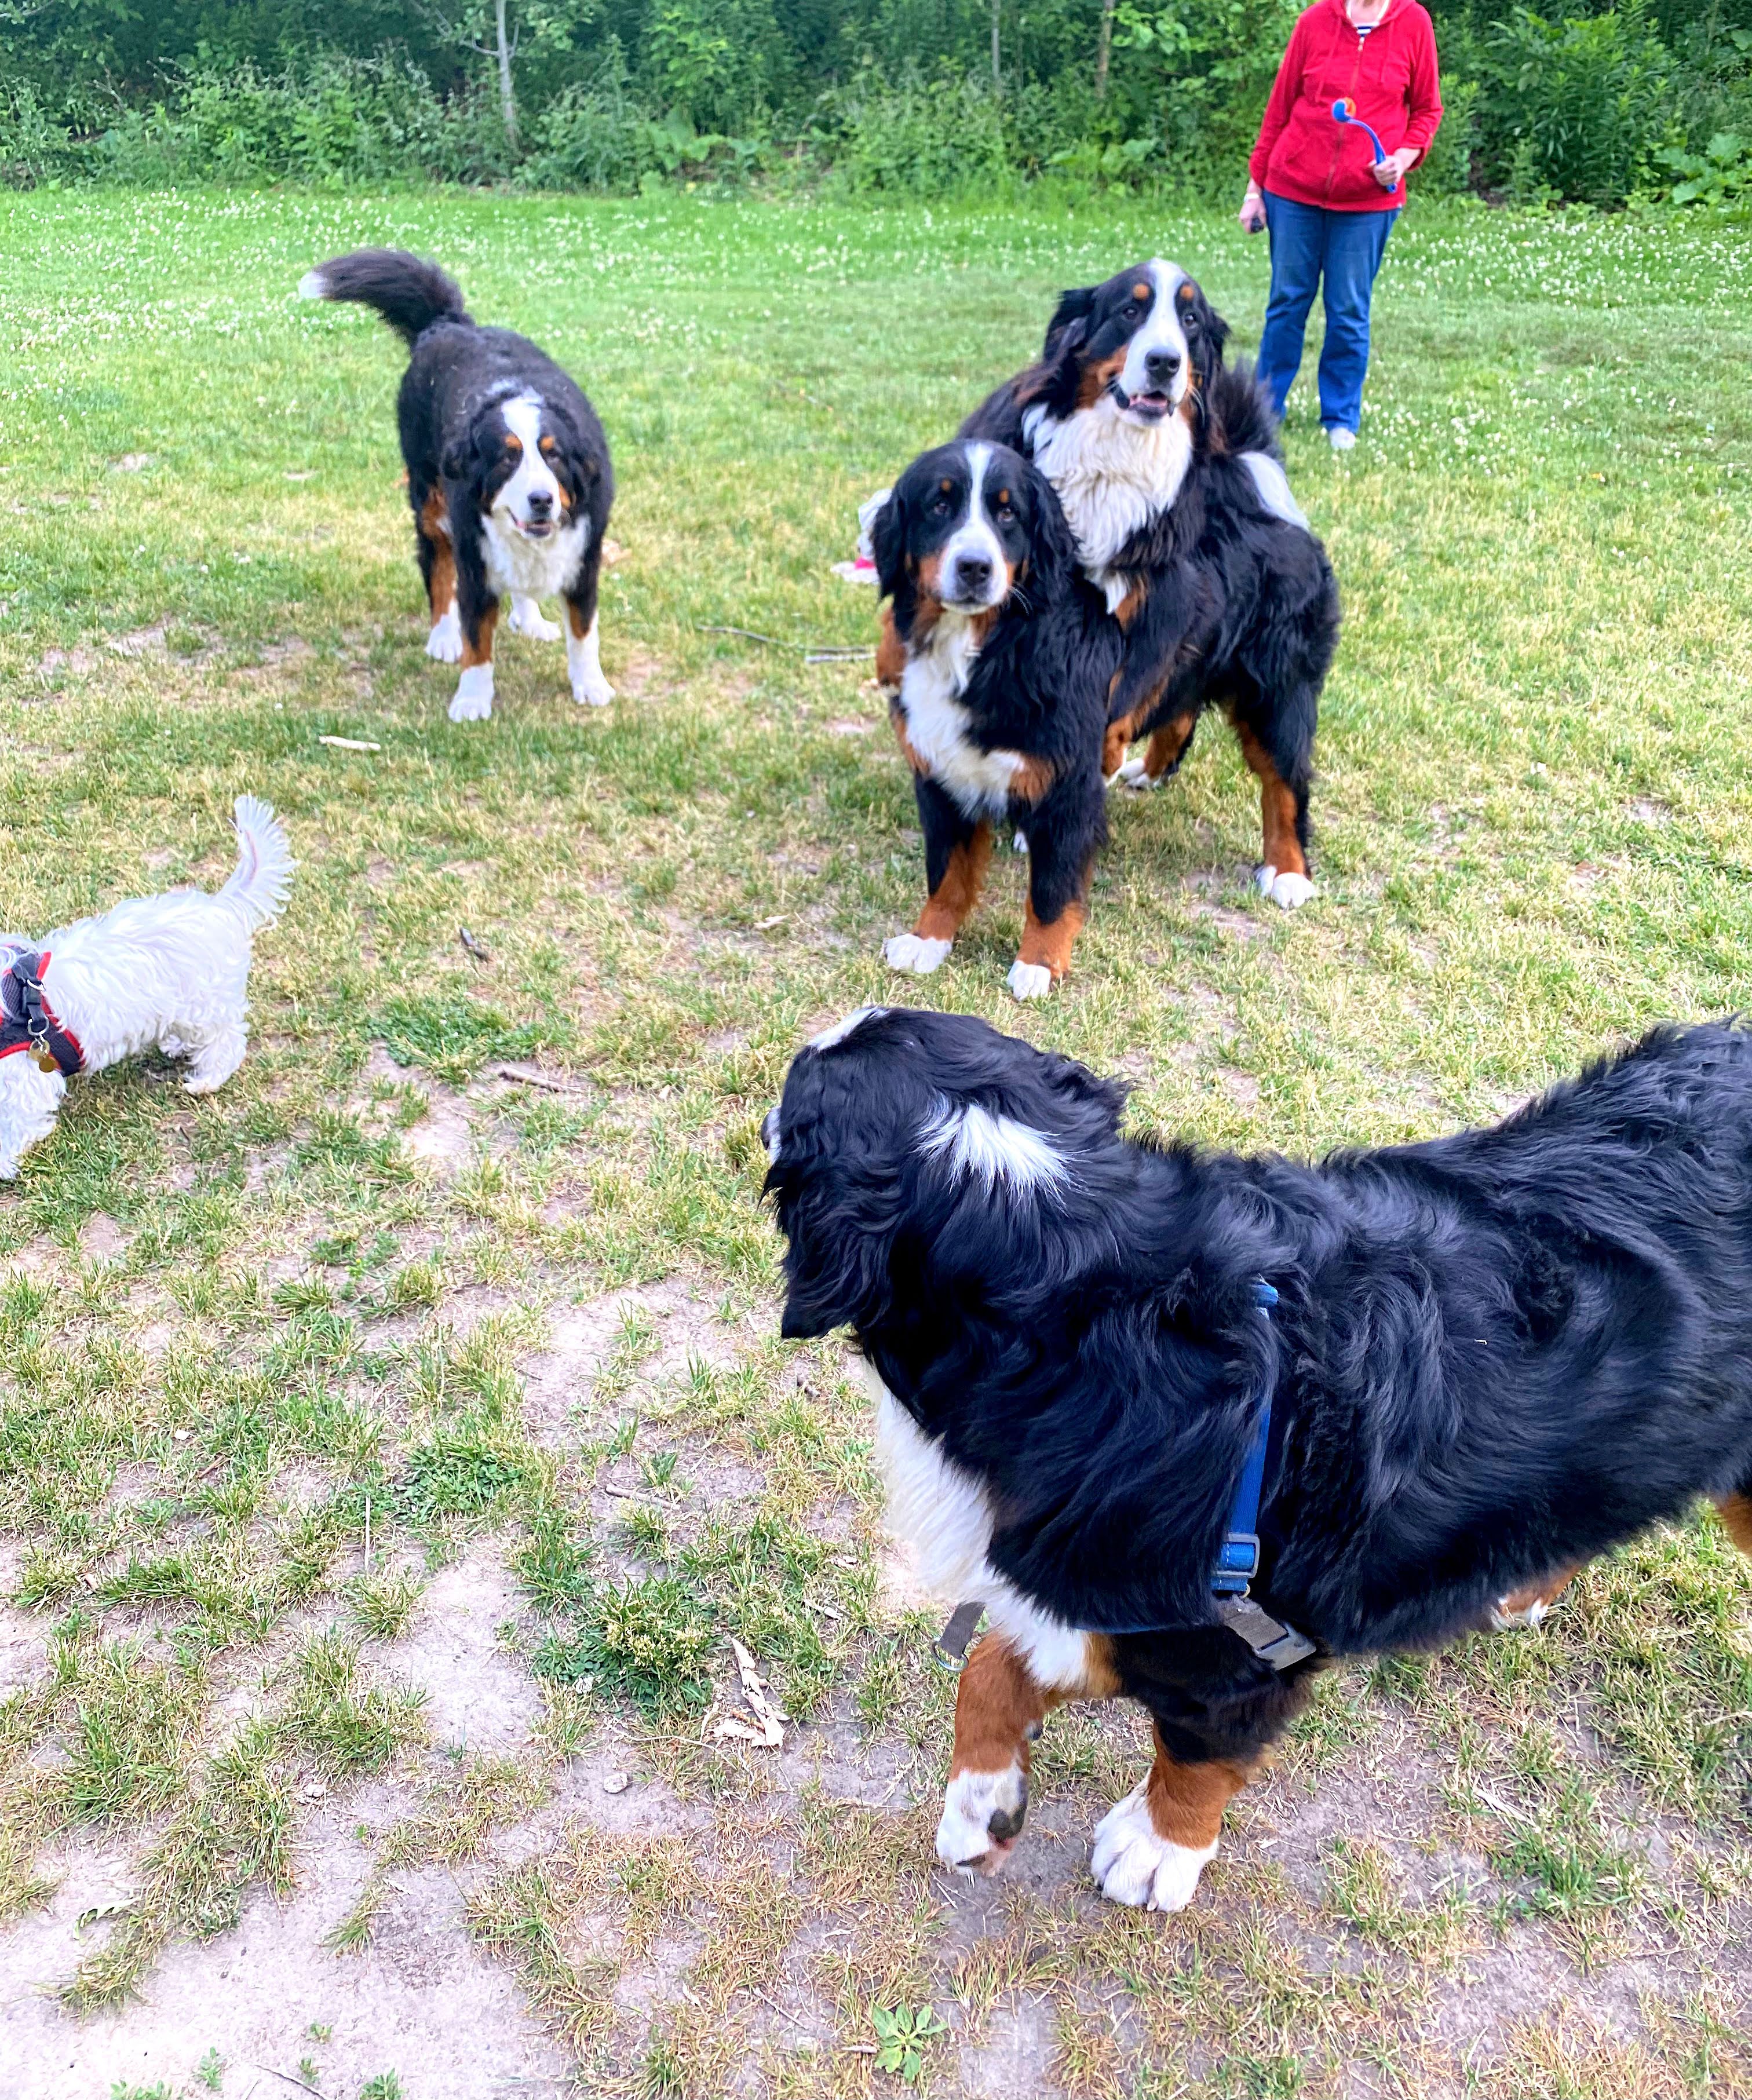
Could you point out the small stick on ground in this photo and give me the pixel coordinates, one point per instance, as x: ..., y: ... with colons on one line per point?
x: 288, y: 2078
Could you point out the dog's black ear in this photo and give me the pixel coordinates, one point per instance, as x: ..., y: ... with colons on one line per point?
x: 835, y: 1270
x: 577, y: 464
x: 461, y: 457
x: 1207, y: 336
x: 1091, y: 1106
x: 1053, y: 552
x: 1070, y: 322
x: 888, y: 541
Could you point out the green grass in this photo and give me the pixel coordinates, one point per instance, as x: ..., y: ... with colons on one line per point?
x: 246, y: 1438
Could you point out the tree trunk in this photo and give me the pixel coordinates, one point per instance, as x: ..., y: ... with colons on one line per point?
x: 507, y: 98
x: 1104, y: 50
x: 997, y: 70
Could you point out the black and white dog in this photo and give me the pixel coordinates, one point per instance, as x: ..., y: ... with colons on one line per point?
x: 1006, y: 658
x: 1493, y: 1356
x: 1167, y: 464
x: 508, y: 474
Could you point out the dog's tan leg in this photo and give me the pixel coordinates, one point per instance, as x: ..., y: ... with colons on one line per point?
x: 1045, y: 954
x: 1151, y: 1848
x: 443, y: 644
x: 1283, y: 872
x: 584, y: 657
x: 1165, y: 750
x: 473, y: 697
x: 1736, y: 1512
x: 999, y: 1707
x: 1528, y: 1605
x: 1115, y: 745
x: 956, y: 896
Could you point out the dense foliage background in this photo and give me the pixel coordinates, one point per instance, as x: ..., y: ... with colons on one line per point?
x: 1599, y: 105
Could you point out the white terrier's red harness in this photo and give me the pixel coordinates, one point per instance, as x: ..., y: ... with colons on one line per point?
x: 29, y: 1022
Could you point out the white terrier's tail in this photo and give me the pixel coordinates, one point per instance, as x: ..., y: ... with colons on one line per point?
x: 262, y: 878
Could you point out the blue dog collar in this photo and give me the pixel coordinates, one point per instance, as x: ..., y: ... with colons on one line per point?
x: 1237, y: 1562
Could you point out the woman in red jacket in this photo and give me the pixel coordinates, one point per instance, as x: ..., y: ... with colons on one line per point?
x: 1328, y: 201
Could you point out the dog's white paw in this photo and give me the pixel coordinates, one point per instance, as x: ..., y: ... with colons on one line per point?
x: 595, y: 692
x: 1288, y: 889
x: 473, y: 699
x: 1136, y: 775
x: 914, y: 953
x: 526, y: 619
x: 443, y: 645
x: 1030, y: 980
x: 1019, y: 844
x: 1506, y: 1618
x: 1132, y: 1864
x: 982, y: 1818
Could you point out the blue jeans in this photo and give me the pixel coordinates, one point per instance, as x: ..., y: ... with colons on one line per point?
x: 1345, y: 248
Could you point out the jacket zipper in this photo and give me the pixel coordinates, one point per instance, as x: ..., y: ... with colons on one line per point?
x: 1338, y: 142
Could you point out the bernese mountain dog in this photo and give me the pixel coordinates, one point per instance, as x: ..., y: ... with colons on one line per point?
x: 1167, y: 464
x: 1490, y: 1358
x: 1006, y: 658
x: 508, y: 474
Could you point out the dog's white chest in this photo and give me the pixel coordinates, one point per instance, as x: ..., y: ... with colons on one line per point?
x: 1112, y: 476
x: 937, y: 724
x: 523, y: 567
x: 943, y: 1513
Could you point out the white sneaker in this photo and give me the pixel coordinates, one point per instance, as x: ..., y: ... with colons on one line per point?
x: 1341, y: 439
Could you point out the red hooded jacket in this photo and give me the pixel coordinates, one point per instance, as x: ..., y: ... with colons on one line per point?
x: 1302, y: 152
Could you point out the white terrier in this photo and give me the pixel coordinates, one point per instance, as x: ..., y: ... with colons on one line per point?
x: 172, y: 971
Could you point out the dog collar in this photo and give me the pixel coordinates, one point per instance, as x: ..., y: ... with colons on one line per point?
x: 29, y: 1022
x: 1237, y: 1562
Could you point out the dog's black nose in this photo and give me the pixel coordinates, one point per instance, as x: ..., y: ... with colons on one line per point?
x: 972, y: 573
x: 540, y: 502
x: 1160, y: 366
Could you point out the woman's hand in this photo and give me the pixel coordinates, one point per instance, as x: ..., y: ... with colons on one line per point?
x: 1252, y: 212
x: 1391, y: 172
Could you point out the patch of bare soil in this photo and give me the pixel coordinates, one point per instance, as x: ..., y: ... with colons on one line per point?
x: 23, y: 1643
x: 420, y: 2002
x: 478, y: 1696
x: 1014, y: 2058
x: 445, y: 1134
x: 559, y: 1380
x: 101, y: 1238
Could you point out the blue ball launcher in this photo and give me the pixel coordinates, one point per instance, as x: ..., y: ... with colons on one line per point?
x: 1345, y: 111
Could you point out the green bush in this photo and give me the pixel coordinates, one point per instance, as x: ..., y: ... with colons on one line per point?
x: 592, y: 135
x: 912, y: 135
x: 1720, y: 175
x: 897, y: 99
x: 33, y: 147
x: 329, y: 120
x: 1447, y: 169
x: 1573, y: 109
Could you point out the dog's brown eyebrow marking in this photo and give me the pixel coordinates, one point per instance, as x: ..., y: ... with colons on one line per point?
x: 1184, y: 295
x: 946, y: 487
x: 1003, y: 495
x: 1140, y: 291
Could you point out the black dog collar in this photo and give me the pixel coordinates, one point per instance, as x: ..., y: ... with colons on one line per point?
x: 29, y: 1022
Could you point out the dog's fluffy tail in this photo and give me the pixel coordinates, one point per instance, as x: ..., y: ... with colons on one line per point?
x: 409, y: 293
x: 260, y: 882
